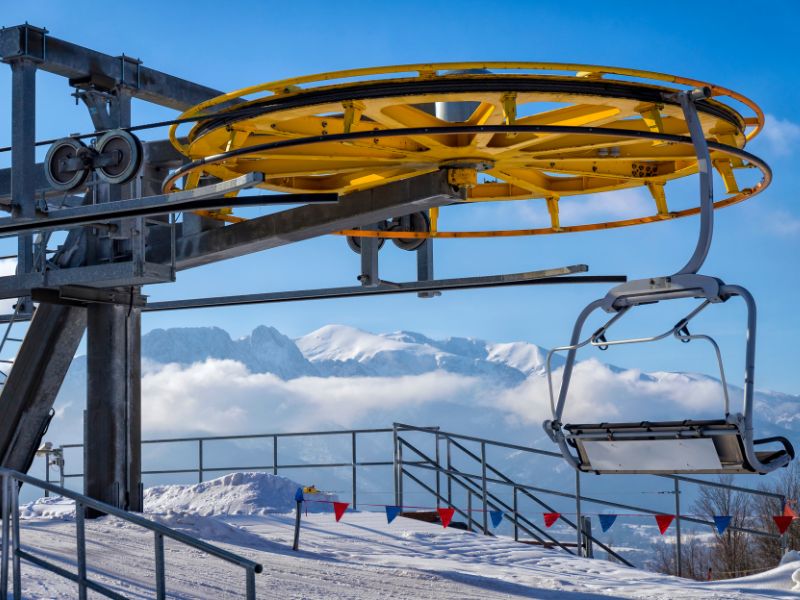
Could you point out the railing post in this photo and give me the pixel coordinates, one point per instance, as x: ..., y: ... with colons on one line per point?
x: 161, y: 585
x: 438, y: 469
x: 200, y: 461
x: 483, y: 490
x: 15, y: 548
x: 46, y: 470
x: 400, y: 473
x: 80, y: 538
x: 396, y: 465
x: 516, y: 517
x: 274, y: 454
x: 449, y: 475
x: 578, y: 511
x: 6, y: 528
x: 678, y: 565
x: 250, y: 584
x: 353, y: 455
x: 469, y: 509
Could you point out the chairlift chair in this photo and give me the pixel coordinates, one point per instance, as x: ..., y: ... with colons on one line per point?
x: 725, y: 445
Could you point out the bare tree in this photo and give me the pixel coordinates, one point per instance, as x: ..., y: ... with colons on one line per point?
x: 731, y: 553
x: 788, y: 486
x: 695, y: 558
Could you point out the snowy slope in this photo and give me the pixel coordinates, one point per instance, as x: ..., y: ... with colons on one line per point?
x: 360, y: 557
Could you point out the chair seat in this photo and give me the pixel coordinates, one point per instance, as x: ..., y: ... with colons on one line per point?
x: 690, y: 446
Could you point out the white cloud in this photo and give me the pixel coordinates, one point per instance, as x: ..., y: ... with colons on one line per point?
x: 782, y: 135
x: 222, y: 396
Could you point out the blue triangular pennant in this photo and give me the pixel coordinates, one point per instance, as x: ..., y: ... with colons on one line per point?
x: 391, y: 513
x: 606, y: 521
x: 496, y: 516
x: 722, y: 523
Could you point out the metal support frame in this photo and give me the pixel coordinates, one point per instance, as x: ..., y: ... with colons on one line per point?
x: 23, y: 158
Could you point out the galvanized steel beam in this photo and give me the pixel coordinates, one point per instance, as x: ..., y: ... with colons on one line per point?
x: 358, y: 209
x: 81, y: 64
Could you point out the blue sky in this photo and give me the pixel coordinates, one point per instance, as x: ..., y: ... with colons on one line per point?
x: 237, y: 44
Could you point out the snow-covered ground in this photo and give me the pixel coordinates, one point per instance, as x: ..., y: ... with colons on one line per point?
x: 360, y: 557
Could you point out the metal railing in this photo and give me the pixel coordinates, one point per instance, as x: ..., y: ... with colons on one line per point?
x: 476, y: 484
x: 12, y: 545
x: 409, y: 461
x: 274, y: 466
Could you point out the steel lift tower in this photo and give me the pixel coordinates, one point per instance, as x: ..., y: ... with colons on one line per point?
x: 370, y: 154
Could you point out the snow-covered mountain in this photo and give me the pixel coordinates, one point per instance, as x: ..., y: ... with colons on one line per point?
x: 340, y: 376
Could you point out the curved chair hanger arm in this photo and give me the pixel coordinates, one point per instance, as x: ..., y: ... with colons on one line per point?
x: 687, y: 101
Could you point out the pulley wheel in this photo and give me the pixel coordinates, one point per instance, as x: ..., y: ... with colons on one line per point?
x: 418, y: 221
x: 59, y: 174
x: 128, y: 150
x: 354, y: 243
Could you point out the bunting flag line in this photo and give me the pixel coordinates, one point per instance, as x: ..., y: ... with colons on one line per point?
x: 550, y: 518
x: 606, y: 521
x: 663, y: 522
x: 392, y: 512
x: 783, y: 522
x: 722, y: 522
x: 446, y: 515
x: 339, y: 508
x: 496, y: 516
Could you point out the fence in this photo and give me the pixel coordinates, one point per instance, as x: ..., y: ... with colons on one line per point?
x: 409, y: 461
x: 12, y: 545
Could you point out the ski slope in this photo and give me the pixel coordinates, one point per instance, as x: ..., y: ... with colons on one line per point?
x: 360, y: 557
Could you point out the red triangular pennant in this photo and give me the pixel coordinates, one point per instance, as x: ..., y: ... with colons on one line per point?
x: 664, y: 521
x: 339, y: 508
x: 550, y: 518
x: 783, y: 522
x: 446, y: 515
x: 789, y: 512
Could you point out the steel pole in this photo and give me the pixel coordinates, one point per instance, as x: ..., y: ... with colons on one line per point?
x: 678, y: 563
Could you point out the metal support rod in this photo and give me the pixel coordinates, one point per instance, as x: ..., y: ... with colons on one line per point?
x: 578, y: 511
x: 274, y: 454
x: 449, y: 478
x: 469, y: 509
x: 199, y: 461
x: 6, y: 489
x: 396, y: 465
x: 483, y: 490
x: 400, y: 473
x: 438, y: 472
x: 80, y: 539
x: 15, y: 547
x: 516, y: 516
x: 161, y: 586
x: 353, y: 457
x: 370, y: 276
x: 297, y: 510
x: 250, y: 584
x: 678, y: 564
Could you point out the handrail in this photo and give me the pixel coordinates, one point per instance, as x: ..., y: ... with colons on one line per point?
x: 11, y: 480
